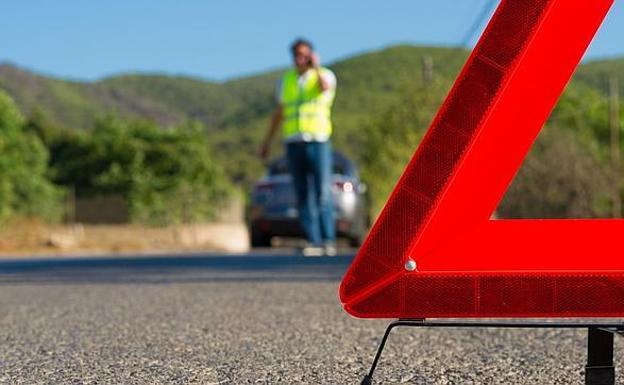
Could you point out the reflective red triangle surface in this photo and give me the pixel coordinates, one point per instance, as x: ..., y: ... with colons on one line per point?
x: 434, y: 252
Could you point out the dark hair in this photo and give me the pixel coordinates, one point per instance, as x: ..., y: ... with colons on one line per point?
x: 299, y: 42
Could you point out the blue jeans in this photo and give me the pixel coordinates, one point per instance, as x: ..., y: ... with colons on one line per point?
x: 310, y: 165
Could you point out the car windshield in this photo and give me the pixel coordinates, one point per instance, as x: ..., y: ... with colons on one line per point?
x: 342, y: 166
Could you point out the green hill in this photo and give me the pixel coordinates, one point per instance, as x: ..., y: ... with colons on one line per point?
x: 236, y: 113
x: 596, y: 73
x: 169, y: 100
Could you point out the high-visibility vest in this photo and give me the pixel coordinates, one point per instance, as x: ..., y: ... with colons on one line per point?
x: 306, y: 110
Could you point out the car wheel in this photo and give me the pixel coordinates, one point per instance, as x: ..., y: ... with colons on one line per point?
x: 259, y: 239
x: 356, y: 241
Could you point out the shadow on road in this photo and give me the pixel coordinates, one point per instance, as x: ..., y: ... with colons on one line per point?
x: 183, y: 268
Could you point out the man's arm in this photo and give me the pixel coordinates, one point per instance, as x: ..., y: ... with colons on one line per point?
x: 276, y: 121
x: 323, y: 82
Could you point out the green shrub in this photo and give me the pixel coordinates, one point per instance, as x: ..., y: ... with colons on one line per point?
x: 567, y: 173
x: 25, y: 188
x: 166, y: 175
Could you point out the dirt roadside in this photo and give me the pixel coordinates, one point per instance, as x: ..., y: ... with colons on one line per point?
x: 32, y: 237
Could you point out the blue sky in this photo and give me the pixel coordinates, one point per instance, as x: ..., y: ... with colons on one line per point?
x: 229, y: 38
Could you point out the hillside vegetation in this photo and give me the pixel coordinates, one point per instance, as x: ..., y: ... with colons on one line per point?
x: 382, y: 108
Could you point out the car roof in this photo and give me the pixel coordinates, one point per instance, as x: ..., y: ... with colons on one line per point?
x: 342, y: 165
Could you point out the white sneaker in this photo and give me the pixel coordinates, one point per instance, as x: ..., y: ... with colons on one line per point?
x: 330, y: 250
x: 313, y: 251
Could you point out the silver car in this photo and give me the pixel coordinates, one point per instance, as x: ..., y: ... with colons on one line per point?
x: 273, y: 208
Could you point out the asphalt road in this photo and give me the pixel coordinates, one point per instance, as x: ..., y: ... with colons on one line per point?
x: 263, y: 318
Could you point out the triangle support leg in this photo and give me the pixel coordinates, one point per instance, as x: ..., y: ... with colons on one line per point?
x: 600, y: 369
x: 368, y: 379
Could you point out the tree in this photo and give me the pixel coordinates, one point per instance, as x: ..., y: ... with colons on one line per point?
x: 25, y: 187
x: 560, y: 178
x: 566, y: 174
x: 165, y: 175
x: 389, y: 141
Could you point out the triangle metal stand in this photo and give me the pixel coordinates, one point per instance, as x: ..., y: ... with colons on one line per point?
x: 598, y: 371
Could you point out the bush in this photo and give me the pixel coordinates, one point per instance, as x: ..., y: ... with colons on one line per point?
x: 560, y: 178
x: 166, y: 175
x: 25, y: 187
x: 567, y: 173
x: 389, y: 141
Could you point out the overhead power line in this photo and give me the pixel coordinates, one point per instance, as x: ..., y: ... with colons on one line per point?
x: 481, y: 17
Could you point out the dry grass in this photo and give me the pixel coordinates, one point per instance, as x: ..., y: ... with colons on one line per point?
x: 31, y: 236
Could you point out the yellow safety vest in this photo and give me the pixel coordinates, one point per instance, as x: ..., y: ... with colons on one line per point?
x: 306, y: 109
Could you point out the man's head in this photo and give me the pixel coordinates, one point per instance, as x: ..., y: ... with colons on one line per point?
x: 302, y: 54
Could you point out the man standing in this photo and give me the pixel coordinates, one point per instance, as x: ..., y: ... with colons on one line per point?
x: 305, y: 95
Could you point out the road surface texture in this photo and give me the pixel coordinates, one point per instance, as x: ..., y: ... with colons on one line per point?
x: 254, y: 319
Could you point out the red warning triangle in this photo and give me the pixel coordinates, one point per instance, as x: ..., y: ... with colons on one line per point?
x: 434, y: 252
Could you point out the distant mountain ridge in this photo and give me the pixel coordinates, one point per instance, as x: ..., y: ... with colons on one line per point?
x: 77, y: 104
x: 172, y: 99
x: 236, y: 112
